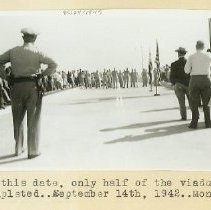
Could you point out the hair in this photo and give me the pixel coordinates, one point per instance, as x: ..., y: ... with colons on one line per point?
x: 199, y: 45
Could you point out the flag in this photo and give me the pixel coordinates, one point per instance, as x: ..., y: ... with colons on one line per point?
x: 150, y: 61
x: 150, y: 68
x: 157, y: 59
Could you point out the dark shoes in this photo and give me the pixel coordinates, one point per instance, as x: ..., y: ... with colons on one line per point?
x: 33, y: 156
x: 192, y: 125
x: 208, y: 125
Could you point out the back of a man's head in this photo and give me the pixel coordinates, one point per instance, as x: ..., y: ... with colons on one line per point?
x: 199, y: 45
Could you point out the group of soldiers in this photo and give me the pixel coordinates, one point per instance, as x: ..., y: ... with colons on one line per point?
x: 114, y: 78
x: 106, y: 79
x: 84, y: 79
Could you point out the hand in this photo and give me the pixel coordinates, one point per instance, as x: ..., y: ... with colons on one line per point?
x: 38, y: 75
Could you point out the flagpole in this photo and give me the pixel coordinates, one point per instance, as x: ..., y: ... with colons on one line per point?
x: 142, y: 62
x: 142, y: 58
x: 150, y: 70
x: 210, y: 31
x: 157, y: 62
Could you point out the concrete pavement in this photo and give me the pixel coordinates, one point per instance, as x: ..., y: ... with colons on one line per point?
x: 123, y: 129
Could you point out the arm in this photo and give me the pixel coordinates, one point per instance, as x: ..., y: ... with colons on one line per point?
x: 172, y: 74
x: 5, y: 58
x: 51, y: 69
x: 188, y: 66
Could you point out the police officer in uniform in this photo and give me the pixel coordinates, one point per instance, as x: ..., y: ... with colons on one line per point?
x: 25, y: 95
x: 198, y: 65
x: 180, y: 80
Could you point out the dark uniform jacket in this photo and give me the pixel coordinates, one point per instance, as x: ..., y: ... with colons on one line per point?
x: 177, y: 72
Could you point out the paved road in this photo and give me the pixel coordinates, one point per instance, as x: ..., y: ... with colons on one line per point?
x: 124, y: 129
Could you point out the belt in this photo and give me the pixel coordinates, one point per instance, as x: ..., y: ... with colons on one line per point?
x: 24, y: 79
x: 202, y: 75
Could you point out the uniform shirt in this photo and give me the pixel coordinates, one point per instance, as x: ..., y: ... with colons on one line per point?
x: 198, y: 64
x: 177, y: 72
x: 26, y: 60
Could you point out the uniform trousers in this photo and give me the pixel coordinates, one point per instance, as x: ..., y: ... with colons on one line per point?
x: 199, y: 87
x: 25, y: 99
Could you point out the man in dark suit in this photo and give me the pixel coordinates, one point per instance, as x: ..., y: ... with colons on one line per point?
x: 180, y: 80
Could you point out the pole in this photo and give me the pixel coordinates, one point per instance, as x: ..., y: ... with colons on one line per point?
x: 150, y: 83
x: 210, y: 31
x: 156, y: 86
x: 150, y: 69
x: 158, y: 66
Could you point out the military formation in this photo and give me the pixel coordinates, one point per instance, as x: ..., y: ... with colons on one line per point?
x: 84, y: 79
x: 103, y: 79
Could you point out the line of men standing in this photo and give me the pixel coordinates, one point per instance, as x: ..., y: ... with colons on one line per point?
x: 105, y: 79
x: 191, y: 78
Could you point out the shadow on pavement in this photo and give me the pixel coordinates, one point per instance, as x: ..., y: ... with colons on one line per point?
x: 7, y: 156
x: 139, y: 125
x: 97, y: 100
x: 158, y: 110
x: 16, y: 159
x: 156, y: 133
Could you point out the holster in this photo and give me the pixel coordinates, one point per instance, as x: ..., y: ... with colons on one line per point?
x: 40, y: 87
x: 10, y: 80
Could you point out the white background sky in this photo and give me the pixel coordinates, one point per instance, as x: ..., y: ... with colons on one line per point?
x: 117, y: 38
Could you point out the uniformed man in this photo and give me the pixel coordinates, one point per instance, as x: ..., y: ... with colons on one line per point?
x: 198, y: 65
x: 25, y: 64
x: 180, y: 80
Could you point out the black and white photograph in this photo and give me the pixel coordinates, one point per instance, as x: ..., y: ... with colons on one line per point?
x: 116, y: 89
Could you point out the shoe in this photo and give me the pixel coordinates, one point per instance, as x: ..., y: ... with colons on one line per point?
x: 207, y: 125
x: 33, y: 156
x: 192, y: 126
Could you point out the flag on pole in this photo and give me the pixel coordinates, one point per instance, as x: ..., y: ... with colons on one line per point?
x: 157, y: 74
x: 157, y: 58
x: 150, y: 68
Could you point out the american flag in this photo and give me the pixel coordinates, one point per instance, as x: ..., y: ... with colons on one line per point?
x: 157, y: 59
x: 150, y: 62
x: 150, y: 68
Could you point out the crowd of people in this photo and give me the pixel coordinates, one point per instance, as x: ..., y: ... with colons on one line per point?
x: 84, y: 79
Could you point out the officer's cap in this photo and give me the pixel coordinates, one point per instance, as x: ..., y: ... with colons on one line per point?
x: 29, y: 31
